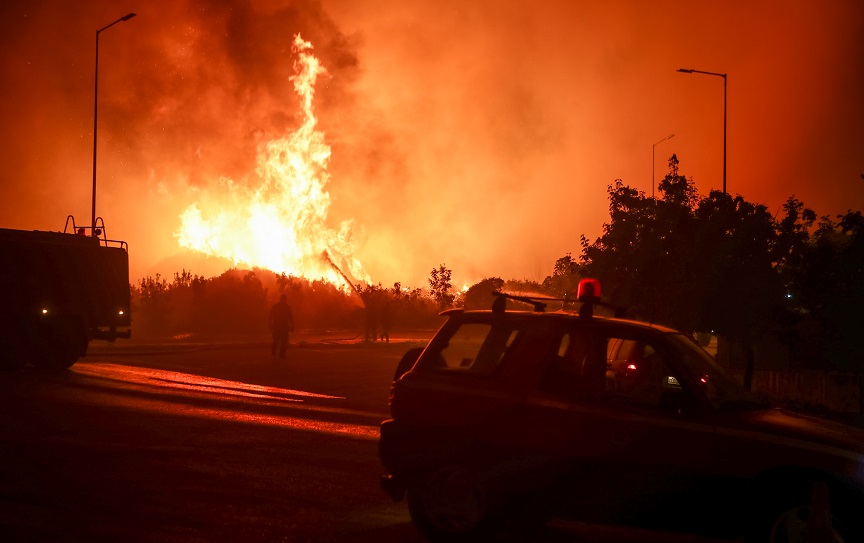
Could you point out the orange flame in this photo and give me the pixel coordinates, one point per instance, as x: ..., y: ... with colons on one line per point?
x: 280, y: 225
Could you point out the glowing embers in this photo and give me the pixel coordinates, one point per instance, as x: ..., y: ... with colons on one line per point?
x: 278, y: 218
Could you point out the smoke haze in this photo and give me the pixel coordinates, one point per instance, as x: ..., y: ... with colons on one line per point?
x: 478, y: 134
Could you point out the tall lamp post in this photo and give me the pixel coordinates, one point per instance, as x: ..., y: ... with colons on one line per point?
x: 669, y: 137
x: 95, y: 115
x: 688, y: 71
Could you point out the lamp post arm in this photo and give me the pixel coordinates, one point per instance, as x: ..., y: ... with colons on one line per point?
x: 690, y: 71
x: 120, y: 20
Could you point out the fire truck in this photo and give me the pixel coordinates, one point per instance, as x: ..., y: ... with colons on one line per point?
x: 59, y: 291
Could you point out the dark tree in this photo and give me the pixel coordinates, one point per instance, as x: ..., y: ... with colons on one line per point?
x: 824, y: 279
x: 440, y: 286
x: 696, y: 265
x: 565, y: 277
x: 479, y: 296
x: 645, y: 255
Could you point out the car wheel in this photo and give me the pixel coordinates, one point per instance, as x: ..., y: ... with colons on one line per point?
x: 803, y: 516
x: 449, y: 505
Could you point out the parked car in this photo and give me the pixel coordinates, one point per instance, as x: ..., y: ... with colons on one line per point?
x: 508, y: 418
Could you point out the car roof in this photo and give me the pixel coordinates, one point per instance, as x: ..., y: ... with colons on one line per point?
x: 560, y: 315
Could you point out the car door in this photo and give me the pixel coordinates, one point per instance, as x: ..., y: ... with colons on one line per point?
x: 638, y: 449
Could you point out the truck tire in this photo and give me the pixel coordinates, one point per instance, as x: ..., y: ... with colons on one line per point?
x: 13, y: 348
x: 61, y: 343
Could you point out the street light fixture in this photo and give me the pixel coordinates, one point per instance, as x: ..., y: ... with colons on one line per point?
x: 669, y: 137
x: 690, y: 71
x: 95, y: 115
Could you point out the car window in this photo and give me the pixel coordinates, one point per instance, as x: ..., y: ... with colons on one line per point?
x: 640, y: 375
x: 720, y: 388
x: 618, y: 349
x: 573, y: 366
x: 476, y: 347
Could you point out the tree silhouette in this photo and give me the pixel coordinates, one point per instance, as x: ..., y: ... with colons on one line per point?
x: 692, y: 264
x: 440, y: 286
x: 565, y: 277
x: 723, y: 264
x: 479, y: 295
x: 824, y: 279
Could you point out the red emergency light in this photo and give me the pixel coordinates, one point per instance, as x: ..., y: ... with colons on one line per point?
x: 588, y: 288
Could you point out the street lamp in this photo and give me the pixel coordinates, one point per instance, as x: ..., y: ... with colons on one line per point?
x: 669, y: 137
x: 95, y: 114
x: 686, y: 71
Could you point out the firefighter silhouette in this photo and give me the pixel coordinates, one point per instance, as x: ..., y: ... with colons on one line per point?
x: 281, y: 325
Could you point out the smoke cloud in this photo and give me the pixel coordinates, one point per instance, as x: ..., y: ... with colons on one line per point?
x: 480, y: 134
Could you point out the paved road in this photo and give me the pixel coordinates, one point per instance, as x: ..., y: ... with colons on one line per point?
x: 202, y: 443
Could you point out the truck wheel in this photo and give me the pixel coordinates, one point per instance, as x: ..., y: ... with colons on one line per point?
x: 12, y: 354
x: 12, y: 349
x: 62, y: 343
x: 449, y: 505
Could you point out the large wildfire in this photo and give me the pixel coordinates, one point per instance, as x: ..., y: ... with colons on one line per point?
x: 280, y: 224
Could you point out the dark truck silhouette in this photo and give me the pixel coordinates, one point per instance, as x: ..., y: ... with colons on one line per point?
x: 59, y: 291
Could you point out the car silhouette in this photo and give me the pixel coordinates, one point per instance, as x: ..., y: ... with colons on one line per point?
x: 509, y: 418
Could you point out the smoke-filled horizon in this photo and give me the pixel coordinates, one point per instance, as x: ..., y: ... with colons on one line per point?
x: 481, y: 135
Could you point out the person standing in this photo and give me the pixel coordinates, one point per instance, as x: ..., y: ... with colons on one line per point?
x: 385, y: 321
x: 281, y: 325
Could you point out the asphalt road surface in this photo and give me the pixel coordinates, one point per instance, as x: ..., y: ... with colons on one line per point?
x: 212, y: 443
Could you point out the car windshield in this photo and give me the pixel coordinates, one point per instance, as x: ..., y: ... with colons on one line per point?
x: 719, y: 387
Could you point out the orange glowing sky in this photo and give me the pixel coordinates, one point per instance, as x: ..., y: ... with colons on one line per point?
x: 478, y: 134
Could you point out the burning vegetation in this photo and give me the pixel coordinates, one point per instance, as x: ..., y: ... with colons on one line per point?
x: 280, y: 223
